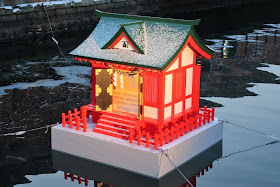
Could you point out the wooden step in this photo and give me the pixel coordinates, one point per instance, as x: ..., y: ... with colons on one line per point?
x: 118, y: 121
x: 115, y: 124
x: 110, y: 133
x: 118, y: 116
x: 112, y: 128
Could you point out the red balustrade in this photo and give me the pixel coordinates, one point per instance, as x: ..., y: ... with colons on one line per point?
x: 166, y: 131
x: 179, y: 128
x: 77, y: 119
x: 73, y: 178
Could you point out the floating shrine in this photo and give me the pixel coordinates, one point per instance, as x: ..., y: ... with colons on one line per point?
x: 145, y: 96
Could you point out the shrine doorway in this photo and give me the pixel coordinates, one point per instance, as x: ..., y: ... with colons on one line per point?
x: 126, y: 94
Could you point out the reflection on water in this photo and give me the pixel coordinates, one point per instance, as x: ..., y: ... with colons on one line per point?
x: 240, y: 59
x: 236, y: 61
x: 87, y: 169
x: 261, y: 114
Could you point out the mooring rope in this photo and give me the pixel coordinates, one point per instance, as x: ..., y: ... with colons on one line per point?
x: 249, y: 149
x: 53, y: 37
x: 172, y: 163
x: 30, y: 130
x: 253, y: 130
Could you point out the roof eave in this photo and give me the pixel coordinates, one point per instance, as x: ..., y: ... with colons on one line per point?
x: 201, y: 44
x: 197, y: 40
x: 118, y: 62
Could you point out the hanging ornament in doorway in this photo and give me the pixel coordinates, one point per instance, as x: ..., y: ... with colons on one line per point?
x: 133, y: 79
x: 115, y: 79
x: 121, y: 81
x: 130, y: 82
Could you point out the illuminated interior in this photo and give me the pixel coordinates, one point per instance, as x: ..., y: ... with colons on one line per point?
x: 126, y: 94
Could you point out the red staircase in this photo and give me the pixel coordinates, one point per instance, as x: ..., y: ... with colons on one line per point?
x: 114, y: 125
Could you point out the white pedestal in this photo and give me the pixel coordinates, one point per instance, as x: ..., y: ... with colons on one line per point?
x: 119, y: 153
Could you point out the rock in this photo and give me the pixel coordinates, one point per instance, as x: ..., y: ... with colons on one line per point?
x: 5, y: 12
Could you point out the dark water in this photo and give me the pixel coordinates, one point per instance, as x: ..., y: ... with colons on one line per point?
x: 35, y: 90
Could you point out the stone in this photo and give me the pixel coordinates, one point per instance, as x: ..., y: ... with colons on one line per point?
x: 90, y: 8
x: 11, y: 23
x: 147, y: 2
x: 54, y: 19
x: 132, y: 3
x: 2, y: 24
x: 83, y: 3
x: 104, y: 1
x: 39, y: 21
x: 60, y: 12
x: 71, y: 10
x: 39, y: 7
x: 21, y: 17
x: 117, y: 1
x: 88, y: 14
x: 101, y: 6
x: 109, y: 6
x: 25, y: 22
x: 26, y: 9
x: 50, y: 7
x: 110, y: 10
x: 80, y: 15
x: 9, y: 18
x: 33, y: 15
x: 69, y: 17
x: 139, y: 2
x: 62, y: 6
x: 41, y: 14
x: 5, y: 12
x: 81, y: 9
x: 118, y: 5
x: 51, y: 13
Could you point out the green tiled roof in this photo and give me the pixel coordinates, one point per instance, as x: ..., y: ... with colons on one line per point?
x: 157, y: 39
x: 135, y: 32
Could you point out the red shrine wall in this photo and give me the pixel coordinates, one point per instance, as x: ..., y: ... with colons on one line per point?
x: 173, y: 91
x: 181, y: 84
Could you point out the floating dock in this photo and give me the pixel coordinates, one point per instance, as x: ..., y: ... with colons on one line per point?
x: 120, y: 153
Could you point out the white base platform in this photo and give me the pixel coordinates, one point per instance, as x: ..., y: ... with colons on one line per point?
x: 119, y: 153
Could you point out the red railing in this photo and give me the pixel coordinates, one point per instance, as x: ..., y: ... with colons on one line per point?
x: 77, y: 119
x: 179, y: 128
x: 209, y: 114
x: 166, y: 132
x: 73, y: 178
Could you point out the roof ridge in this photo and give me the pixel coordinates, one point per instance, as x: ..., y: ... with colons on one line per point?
x: 148, y: 18
x: 132, y: 23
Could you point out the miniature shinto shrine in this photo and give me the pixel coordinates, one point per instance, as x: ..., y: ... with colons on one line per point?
x: 145, y: 83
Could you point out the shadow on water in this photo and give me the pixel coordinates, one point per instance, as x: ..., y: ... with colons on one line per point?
x: 239, y: 36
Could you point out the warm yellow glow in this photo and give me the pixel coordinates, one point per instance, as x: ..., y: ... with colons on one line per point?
x: 126, y: 98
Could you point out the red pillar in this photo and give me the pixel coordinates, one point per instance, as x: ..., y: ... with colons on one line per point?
x: 161, y: 97
x: 93, y: 84
x: 93, y: 91
x: 198, y: 85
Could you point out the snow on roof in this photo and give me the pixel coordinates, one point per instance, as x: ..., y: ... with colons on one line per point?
x: 137, y: 32
x: 160, y: 38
